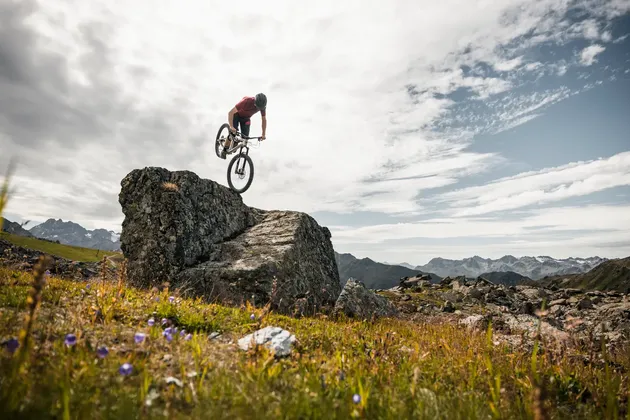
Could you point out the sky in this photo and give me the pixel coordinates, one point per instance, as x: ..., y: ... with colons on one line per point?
x: 412, y: 129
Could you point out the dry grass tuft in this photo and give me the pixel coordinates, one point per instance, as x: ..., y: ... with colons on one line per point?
x: 170, y: 186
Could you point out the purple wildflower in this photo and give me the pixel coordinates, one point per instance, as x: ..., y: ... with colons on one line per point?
x: 102, y: 352
x: 151, y: 322
x: 252, y: 317
x: 48, y: 272
x: 125, y: 369
x: 169, y: 337
x: 164, y: 321
x: 188, y: 336
x: 182, y: 332
x: 356, y: 398
x: 71, y: 340
x: 12, y: 345
x: 174, y: 330
x: 171, y: 299
x: 157, y: 298
x: 139, y: 337
x: 167, y: 330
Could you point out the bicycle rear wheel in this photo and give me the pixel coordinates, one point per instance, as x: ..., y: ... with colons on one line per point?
x: 222, y: 135
x: 241, y: 168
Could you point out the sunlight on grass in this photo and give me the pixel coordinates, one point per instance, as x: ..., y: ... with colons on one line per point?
x: 102, y: 351
x: 69, y: 252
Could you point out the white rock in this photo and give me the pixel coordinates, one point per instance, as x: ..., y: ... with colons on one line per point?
x: 275, y: 338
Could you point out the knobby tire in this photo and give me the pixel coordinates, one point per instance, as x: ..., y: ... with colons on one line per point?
x: 218, y: 147
x: 251, y: 175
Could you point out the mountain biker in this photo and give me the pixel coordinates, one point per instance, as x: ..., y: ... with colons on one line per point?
x: 241, y: 114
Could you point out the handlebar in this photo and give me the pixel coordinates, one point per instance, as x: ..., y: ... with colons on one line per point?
x: 246, y: 137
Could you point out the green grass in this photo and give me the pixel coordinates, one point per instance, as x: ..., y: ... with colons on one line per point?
x: 70, y: 252
x: 400, y: 369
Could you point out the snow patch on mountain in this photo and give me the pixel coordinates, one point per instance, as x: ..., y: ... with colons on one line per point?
x: 70, y: 233
x: 534, y: 267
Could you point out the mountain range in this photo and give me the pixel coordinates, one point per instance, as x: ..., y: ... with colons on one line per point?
x: 507, y: 270
x: 610, y: 275
x: 533, y: 267
x: 373, y: 274
x: 67, y: 233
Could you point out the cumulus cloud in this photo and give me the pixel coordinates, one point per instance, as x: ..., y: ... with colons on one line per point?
x: 588, y: 54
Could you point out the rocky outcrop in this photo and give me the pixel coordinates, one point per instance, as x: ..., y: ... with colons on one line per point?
x: 202, y: 238
x: 358, y: 302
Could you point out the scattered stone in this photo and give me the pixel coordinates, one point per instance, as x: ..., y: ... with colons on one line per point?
x: 448, y: 306
x: 276, y: 339
x: 21, y: 258
x: 172, y: 380
x: 558, y: 302
x: 570, y: 315
x: 585, y: 303
x: 358, y: 302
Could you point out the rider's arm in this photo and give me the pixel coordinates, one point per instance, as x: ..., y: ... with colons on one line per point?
x: 264, y: 125
x: 231, y: 116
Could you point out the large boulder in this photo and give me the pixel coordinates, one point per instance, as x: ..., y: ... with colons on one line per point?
x: 356, y: 301
x: 202, y: 238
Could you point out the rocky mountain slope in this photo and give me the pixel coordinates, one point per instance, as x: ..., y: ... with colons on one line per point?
x: 14, y: 228
x: 216, y: 247
x: 533, y: 267
x: 572, y: 316
x: 611, y: 275
x: 372, y: 274
x: 70, y: 233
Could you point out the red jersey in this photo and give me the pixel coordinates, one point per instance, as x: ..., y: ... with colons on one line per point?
x: 247, y: 107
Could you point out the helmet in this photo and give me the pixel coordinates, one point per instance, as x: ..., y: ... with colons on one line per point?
x: 261, y: 101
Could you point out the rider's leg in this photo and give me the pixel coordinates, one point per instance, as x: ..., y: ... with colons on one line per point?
x: 228, y: 143
x: 245, y: 126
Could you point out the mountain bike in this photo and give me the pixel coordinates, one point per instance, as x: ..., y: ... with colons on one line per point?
x: 241, y: 142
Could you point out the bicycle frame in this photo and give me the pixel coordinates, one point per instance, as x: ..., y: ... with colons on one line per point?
x: 240, y: 141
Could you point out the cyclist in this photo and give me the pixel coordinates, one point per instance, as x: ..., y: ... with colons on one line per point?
x: 240, y: 116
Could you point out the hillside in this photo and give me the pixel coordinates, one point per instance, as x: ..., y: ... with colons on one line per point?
x: 508, y: 278
x: 373, y: 274
x: 60, y: 250
x: 611, y: 275
x: 14, y: 228
x: 533, y: 267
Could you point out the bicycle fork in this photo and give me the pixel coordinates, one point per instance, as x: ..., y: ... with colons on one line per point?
x: 241, y: 157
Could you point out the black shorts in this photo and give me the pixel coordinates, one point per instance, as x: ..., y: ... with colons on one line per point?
x: 244, y: 123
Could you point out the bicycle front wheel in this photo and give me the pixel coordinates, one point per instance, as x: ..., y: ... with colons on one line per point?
x: 240, y: 170
x: 222, y: 135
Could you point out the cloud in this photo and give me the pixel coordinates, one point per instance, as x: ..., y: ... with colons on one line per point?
x: 560, y: 232
x: 357, y: 119
x: 587, y: 56
x: 540, y: 187
x: 509, y: 64
x: 533, y: 223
